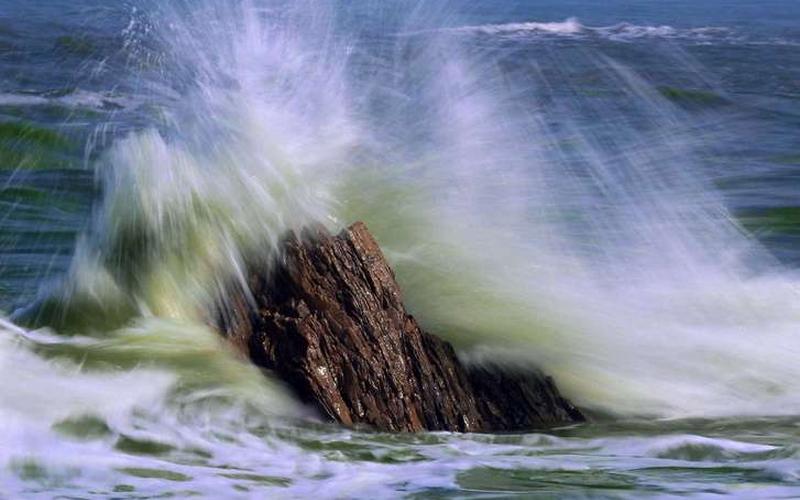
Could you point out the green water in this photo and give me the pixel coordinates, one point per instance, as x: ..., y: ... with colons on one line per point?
x: 607, y: 191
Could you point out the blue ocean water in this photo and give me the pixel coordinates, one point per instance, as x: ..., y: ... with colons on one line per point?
x: 621, y: 177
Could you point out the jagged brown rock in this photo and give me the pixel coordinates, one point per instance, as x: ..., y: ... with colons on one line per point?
x: 330, y: 321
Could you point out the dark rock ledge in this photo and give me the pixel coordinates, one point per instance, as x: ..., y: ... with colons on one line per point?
x: 330, y: 321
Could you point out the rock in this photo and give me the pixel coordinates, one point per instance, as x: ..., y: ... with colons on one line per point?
x: 330, y: 321
x: 513, y: 398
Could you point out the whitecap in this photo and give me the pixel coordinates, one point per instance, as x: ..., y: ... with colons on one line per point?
x: 569, y: 26
x: 573, y: 28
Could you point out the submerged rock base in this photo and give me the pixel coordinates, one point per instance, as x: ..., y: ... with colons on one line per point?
x: 330, y: 321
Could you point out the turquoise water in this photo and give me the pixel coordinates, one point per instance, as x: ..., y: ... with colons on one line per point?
x: 607, y: 191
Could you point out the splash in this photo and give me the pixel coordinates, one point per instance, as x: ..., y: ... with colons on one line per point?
x: 551, y: 208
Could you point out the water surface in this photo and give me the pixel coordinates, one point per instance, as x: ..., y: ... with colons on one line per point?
x: 608, y: 191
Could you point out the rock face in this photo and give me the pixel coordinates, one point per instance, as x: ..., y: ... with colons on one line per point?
x: 329, y: 320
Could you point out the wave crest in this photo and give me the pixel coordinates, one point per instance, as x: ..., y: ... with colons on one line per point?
x: 573, y: 28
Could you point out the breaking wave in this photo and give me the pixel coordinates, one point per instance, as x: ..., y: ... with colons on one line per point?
x: 573, y: 28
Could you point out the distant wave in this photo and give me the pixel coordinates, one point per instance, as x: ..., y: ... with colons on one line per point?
x: 624, y: 31
x: 76, y: 99
x: 572, y: 27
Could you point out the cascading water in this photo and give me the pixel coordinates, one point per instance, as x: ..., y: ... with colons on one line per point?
x: 539, y: 203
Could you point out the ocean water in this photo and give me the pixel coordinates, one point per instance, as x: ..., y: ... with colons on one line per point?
x: 608, y: 190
